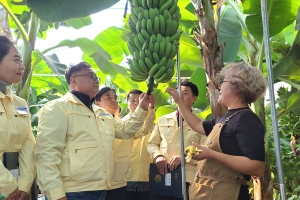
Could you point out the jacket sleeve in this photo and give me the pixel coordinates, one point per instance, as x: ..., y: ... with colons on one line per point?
x: 27, y: 165
x: 148, y: 125
x: 128, y: 128
x: 7, y: 182
x: 52, y: 129
x: 154, y: 142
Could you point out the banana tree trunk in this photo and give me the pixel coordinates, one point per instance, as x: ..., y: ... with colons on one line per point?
x: 212, y: 57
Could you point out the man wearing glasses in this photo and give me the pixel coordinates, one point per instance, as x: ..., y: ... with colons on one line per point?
x: 75, y: 140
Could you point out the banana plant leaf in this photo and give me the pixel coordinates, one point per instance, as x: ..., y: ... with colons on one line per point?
x: 281, y: 14
x: 60, y: 10
x: 289, y: 65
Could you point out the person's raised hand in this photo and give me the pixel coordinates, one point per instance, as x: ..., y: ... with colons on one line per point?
x: 152, y: 101
x: 144, y: 101
x: 174, y: 93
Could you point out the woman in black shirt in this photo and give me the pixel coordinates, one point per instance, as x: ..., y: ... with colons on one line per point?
x: 237, y: 142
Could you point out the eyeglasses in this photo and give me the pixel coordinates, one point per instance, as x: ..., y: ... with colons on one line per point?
x: 91, y: 75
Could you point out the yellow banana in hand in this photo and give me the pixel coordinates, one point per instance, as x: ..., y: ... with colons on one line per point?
x: 190, y: 151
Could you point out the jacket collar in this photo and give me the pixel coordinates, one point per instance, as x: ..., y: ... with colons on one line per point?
x: 8, y: 93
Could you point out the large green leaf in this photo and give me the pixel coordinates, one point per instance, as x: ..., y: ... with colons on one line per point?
x: 289, y: 65
x: 199, y: 79
x: 100, y: 56
x: 110, y: 40
x: 189, y: 52
x: 281, y: 14
x: 60, y: 10
x: 78, y: 23
x: 230, y: 32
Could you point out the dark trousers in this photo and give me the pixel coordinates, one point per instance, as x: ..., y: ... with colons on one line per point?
x: 116, y: 194
x: 160, y: 197
x: 138, y: 195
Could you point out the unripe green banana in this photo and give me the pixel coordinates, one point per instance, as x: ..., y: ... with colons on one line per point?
x: 143, y: 24
x: 166, y: 5
x: 138, y: 26
x: 135, y: 3
x: 132, y: 46
x: 163, y: 77
x: 161, y: 2
x: 145, y: 34
x: 156, y: 11
x: 149, y: 27
x: 156, y: 25
x: 163, y: 61
x: 148, y: 54
x: 151, y: 14
x: 130, y: 38
x: 144, y: 4
x: 173, y: 51
x: 162, y: 25
x: 146, y: 14
x: 136, y: 55
x: 142, y: 55
x: 173, y: 7
x: 155, y: 57
x: 167, y: 14
x: 153, y: 38
x: 133, y: 17
x: 158, y: 38
x: 160, y: 72
x: 137, y: 43
x: 170, y: 74
x: 155, y: 3
x: 141, y: 38
x: 131, y: 26
x: 154, y: 68
x: 145, y: 46
x: 148, y: 63
x: 168, y: 27
x: 176, y: 36
x: 143, y: 66
x: 140, y: 16
x: 135, y: 70
x: 161, y: 49
x: 156, y: 47
x: 175, y: 25
x: 149, y: 3
x: 168, y: 48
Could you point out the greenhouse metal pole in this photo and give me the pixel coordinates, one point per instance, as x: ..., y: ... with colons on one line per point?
x: 264, y: 12
x: 184, y: 192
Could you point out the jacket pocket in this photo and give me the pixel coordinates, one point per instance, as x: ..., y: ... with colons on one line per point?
x: 85, y: 161
x: 121, y: 167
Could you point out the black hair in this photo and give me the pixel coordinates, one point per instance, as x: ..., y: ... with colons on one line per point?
x: 190, y: 85
x: 102, y: 91
x: 5, y: 45
x: 133, y: 92
x: 75, y: 68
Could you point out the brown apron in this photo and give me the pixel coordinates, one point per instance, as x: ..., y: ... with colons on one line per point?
x: 213, y: 179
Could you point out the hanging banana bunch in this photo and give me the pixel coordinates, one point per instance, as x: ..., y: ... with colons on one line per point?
x: 153, y: 40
